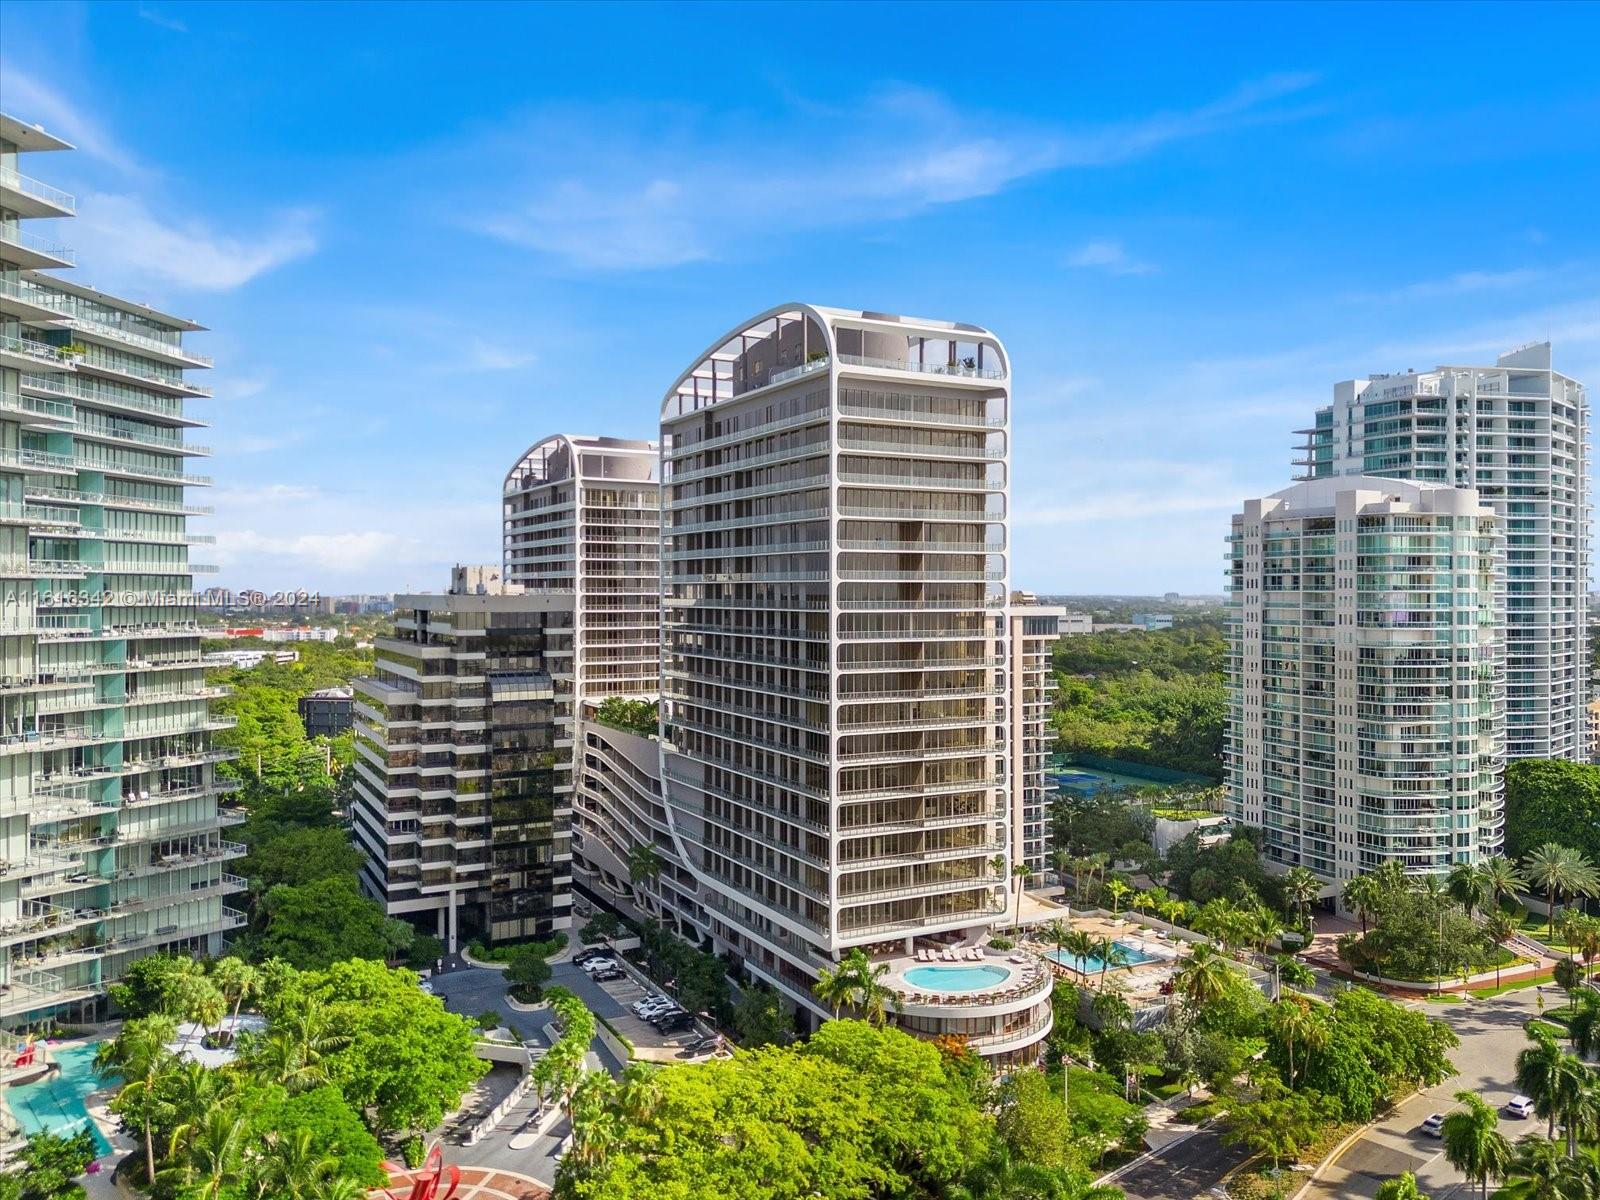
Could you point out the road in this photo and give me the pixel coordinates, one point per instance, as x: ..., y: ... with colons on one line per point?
x: 1186, y: 1170
x: 473, y: 990
x: 1491, y: 1033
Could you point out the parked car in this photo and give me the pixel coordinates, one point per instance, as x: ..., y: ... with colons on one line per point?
x: 608, y: 975
x: 583, y: 956
x: 1434, y: 1126
x: 673, y: 1022
x: 651, y: 1004
x: 600, y: 964
x: 1520, y: 1106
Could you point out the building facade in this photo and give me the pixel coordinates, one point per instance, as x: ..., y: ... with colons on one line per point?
x: 836, y: 652
x: 327, y: 712
x: 583, y: 513
x: 1034, y: 633
x: 1366, y: 676
x: 1518, y: 433
x: 112, y: 840
x: 464, y: 765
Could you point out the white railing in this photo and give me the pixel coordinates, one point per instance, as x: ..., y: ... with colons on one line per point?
x: 18, y: 182
x: 893, y: 364
x: 32, y: 349
x: 32, y: 241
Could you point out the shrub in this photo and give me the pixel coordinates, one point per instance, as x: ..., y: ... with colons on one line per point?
x: 413, y: 1151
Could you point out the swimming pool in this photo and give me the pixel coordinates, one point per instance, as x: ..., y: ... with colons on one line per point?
x: 1090, y: 964
x: 56, y: 1103
x: 957, y: 977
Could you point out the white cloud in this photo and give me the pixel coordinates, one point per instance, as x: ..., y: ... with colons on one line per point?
x: 119, y: 233
x: 604, y: 190
x: 161, y: 19
x: 31, y: 99
x: 1109, y: 256
x: 486, y: 356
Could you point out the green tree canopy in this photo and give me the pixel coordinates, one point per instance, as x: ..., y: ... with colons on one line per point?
x: 1552, y: 800
x: 325, y: 922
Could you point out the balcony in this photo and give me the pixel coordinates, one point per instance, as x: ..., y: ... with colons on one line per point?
x: 25, y: 354
x: 29, y: 197
x: 30, y: 251
x: 959, y: 370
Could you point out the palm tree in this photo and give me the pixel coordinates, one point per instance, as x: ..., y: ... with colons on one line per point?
x: 1554, y: 1079
x: 292, y: 1168
x: 1584, y: 1024
x: 1561, y: 872
x: 1402, y: 1187
x: 1022, y: 872
x: 644, y: 866
x: 1081, y: 945
x: 1003, y: 1175
x: 1502, y: 878
x: 140, y: 1055
x: 1294, y: 1019
x: 237, y: 980
x: 1535, y: 1171
x: 1116, y: 889
x: 1058, y: 931
x: 1361, y: 894
x: 1499, y: 928
x: 872, y: 995
x: 210, y: 1154
x: 1585, y: 936
x: 1301, y: 888
x: 1110, y: 955
x: 1062, y: 862
x: 1473, y: 1143
x: 1204, y: 976
x: 834, y: 987
x: 1468, y: 887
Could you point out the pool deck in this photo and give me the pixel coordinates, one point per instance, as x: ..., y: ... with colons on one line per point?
x: 98, y: 1185
x: 1023, y: 974
x: 1140, y: 980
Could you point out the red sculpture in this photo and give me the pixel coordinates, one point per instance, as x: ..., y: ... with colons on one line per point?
x: 425, y: 1184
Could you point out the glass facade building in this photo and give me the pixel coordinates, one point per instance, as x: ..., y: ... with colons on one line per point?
x: 112, y: 840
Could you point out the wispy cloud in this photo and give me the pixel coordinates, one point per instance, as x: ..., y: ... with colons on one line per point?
x: 486, y: 356
x: 161, y: 19
x: 118, y: 232
x: 664, y: 188
x: 1109, y: 256
x: 31, y: 99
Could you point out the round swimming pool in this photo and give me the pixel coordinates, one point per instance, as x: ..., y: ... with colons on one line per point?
x: 957, y: 977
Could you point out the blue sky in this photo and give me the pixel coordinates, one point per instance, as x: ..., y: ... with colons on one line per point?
x: 425, y: 236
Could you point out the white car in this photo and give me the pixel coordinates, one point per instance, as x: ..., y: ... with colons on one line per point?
x: 1434, y: 1126
x: 650, y: 1004
x: 598, y: 964
x: 1520, y: 1106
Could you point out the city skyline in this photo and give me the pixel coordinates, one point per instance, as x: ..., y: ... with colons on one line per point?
x: 1183, y: 255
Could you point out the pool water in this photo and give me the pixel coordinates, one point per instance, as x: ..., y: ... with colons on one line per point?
x: 956, y: 978
x: 55, y: 1104
x: 1090, y: 964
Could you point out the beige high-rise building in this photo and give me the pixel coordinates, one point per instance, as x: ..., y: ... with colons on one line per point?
x: 1366, y: 676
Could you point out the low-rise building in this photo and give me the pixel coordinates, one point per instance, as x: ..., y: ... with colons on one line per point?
x: 327, y: 712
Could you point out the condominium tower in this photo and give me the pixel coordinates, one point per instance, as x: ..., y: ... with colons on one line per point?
x: 837, y: 718
x: 1366, y: 676
x: 463, y: 765
x: 583, y: 513
x: 111, y: 838
x: 1517, y: 432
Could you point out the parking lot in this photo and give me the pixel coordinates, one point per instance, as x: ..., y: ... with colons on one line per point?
x: 648, y: 1043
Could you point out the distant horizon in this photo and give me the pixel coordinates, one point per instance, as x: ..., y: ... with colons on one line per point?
x: 447, y: 236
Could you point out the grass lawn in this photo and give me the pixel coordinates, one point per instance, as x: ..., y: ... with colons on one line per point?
x: 1510, y: 985
x: 1443, y: 998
